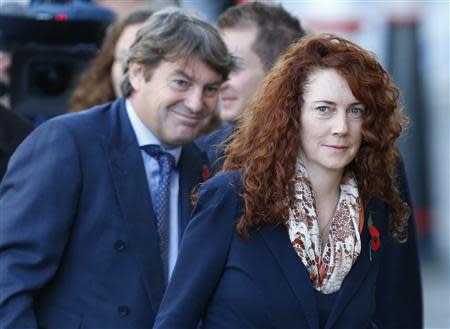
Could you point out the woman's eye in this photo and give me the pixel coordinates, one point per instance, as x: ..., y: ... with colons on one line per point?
x: 357, y: 111
x: 323, y: 109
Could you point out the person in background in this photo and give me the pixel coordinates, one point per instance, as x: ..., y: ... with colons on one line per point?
x: 100, y: 83
x: 5, y: 66
x: 94, y: 203
x: 123, y: 7
x: 13, y: 130
x: 257, y: 34
x: 303, y: 218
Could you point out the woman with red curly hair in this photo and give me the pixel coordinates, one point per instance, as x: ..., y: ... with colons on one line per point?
x: 310, y: 217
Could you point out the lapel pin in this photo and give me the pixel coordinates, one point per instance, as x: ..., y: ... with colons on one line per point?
x: 205, y: 173
x: 375, y: 242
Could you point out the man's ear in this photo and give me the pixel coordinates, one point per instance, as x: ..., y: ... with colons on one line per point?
x: 136, y: 75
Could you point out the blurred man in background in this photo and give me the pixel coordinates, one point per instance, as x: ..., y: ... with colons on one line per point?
x: 257, y: 34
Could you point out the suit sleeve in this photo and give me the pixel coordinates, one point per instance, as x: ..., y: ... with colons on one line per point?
x: 38, y: 199
x: 399, y: 286
x: 202, y: 257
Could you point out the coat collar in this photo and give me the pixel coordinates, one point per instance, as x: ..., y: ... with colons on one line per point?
x: 277, y: 239
x: 191, y: 168
x: 130, y: 182
x: 365, y: 263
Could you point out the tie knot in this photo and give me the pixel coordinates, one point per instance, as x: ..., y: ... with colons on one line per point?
x: 163, y: 157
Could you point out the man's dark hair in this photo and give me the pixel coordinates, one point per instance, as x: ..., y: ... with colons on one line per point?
x: 277, y: 29
x: 173, y: 34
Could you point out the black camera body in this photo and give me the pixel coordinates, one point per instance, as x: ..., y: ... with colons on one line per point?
x: 51, y: 43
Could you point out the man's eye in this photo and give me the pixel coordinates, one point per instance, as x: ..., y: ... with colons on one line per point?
x: 180, y: 83
x: 211, y: 90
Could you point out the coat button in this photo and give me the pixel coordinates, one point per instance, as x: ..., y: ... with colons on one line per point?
x: 123, y: 310
x: 119, y: 245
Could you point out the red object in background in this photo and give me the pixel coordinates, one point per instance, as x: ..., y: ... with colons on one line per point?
x: 61, y: 18
x: 335, y: 25
x: 423, y: 220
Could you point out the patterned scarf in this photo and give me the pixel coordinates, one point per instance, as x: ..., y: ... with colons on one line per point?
x: 328, y: 267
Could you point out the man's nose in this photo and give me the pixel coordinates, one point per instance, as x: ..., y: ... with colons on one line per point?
x: 194, y: 100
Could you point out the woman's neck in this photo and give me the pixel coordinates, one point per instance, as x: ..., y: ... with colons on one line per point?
x: 324, y: 181
x: 326, y: 188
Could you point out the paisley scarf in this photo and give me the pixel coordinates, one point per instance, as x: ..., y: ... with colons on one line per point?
x: 328, y: 265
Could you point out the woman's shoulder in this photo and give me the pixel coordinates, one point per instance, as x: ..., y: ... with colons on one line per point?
x: 222, y: 192
x: 226, y: 181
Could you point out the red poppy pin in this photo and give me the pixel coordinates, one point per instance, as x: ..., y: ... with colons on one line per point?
x: 205, y: 172
x: 375, y: 241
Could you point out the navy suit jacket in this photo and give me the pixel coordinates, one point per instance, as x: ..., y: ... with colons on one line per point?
x: 78, y: 237
x: 214, y: 146
x: 227, y: 282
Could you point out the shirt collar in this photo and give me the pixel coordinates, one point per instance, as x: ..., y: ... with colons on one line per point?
x: 144, y: 135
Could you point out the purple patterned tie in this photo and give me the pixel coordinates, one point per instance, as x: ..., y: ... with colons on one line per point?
x: 161, y: 204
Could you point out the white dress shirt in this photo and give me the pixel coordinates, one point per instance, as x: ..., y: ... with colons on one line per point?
x: 145, y: 137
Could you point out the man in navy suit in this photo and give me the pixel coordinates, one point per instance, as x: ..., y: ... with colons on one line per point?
x: 257, y: 34
x: 81, y: 242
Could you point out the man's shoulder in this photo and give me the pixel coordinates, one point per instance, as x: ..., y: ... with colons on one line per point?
x: 96, y: 115
x: 230, y: 181
x: 96, y: 121
x: 216, y: 138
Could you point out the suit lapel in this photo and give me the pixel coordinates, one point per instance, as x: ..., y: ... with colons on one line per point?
x: 296, y: 274
x: 130, y: 182
x: 366, y: 261
x: 190, y: 172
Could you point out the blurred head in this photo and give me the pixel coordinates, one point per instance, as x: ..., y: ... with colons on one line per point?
x: 98, y: 84
x: 365, y: 122
x: 5, y: 65
x: 123, y: 7
x: 173, y: 72
x: 256, y: 33
x: 124, y: 42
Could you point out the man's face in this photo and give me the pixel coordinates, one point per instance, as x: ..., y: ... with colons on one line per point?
x: 243, y: 83
x: 176, y: 98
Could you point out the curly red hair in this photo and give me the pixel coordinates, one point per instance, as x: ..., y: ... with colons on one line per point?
x: 266, y: 144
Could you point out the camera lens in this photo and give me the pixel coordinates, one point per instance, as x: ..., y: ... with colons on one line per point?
x: 49, y: 78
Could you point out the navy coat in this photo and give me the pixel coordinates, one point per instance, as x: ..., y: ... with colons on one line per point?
x: 78, y: 238
x: 227, y: 282
x: 214, y: 145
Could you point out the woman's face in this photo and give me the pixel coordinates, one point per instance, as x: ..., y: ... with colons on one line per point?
x: 330, y: 122
x: 123, y: 44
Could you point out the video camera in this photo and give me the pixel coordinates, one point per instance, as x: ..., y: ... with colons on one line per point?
x: 51, y: 42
